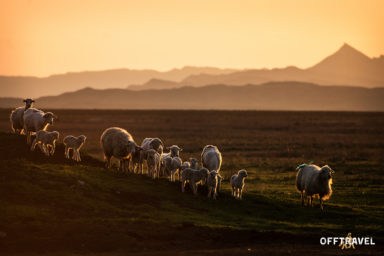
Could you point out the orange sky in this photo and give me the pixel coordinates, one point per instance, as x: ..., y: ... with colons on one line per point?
x: 46, y: 37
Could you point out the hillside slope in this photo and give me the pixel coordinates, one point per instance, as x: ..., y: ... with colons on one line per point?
x: 55, y: 206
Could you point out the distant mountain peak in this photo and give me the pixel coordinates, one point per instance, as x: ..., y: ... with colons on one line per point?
x: 346, y: 49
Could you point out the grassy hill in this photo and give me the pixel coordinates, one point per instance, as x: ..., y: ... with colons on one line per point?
x: 55, y: 207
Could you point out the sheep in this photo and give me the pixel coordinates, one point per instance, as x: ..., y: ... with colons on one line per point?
x: 117, y: 142
x: 212, y: 182
x: 46, y: 140
x: 194, y: 177
x: 136, y: 160
x: 17, y: 117
x: 174, y: 151
x: 237, y: 183
x: 36, y: 120
x: 74, y: 143
x: 171, y: 166
x: 313, y: 180
x: 185, y: 165
x: 211, y: 158
x: 147, y: 144
x: 194, y: 163
x: 153, y: 161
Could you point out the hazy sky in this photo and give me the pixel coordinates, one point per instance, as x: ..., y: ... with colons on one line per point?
x: 46, y: 37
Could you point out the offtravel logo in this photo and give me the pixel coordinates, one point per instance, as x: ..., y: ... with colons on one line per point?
x: 347, y: 242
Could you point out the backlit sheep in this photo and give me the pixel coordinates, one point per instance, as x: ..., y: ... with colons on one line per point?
x: 174, y: 151
x: 117, y: 142
x: 147, y: 144
x: 36, y: 120
x: 212, y: 183
x: 194, y: 163
x: 173, y: 165
x: 153, y: 162
x: 74, y: 143
x: 194, y: 177
x: 211, y: 158
x: 313, y: 180
x: 17, y: 117
x: 47, y: 141
x: 237, y: 183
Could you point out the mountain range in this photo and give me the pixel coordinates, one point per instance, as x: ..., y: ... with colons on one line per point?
x: 346, y: 67
x: 268, y: 96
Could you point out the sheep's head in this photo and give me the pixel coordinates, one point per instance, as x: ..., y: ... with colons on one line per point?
x: 193, y: 161
x: 213, y: 175
x: 49, y: 117
x: 156, y: 143
x: 326, y: 172
x: 204, y: 172
x: 28, y: 103
x: 82, y: 138
x: 243, y: 173
x: 132, y: 147
x: 56, y: 135
x: 185, y: 166
x: 175, y: 150
x: 151, y: 153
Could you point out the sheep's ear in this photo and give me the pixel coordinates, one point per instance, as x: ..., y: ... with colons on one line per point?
x: 180, y: 149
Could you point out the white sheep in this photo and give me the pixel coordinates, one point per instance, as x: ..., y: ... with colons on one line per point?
x: 212, y: 183
x: 74, y: 143
x: 194, y: 177
x: 147, y: 144
x: 153, y: 161
x: 174, y: 151
x: 211, y: 158
x: 17, y: 117
x: 36, y: 120
x: 46, y: 140
x: 171, y: 166
x: 237, y: 183
x: 313, y: 180
x: 117, y: 142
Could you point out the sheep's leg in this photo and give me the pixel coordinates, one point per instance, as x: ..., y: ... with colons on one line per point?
x: 321, y: 203
x: 78, y: 155
x: 34, y: 144
x: 66, y: 151
x: 209, y: 192
x: 240, y: 193
x: 194, y: 188
x: 183, y: 186
x: 302, y: 198
x: 214, y: 193
x: 53, y: 149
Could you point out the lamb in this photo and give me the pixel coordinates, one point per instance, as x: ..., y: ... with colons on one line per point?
x: 194, y: 163
x: 136, y: 160
x: 185, y: 165
x: 46, y: 140
x: 147, y: 144
x: 118, y: 143
x: 17, y: 117
x: 36, y: 120
x: 212, y: 182
x: 153, y: 161
x: 171, y: 166
x: 237, y: 183
x: 174, y: 151
x: 313, y: 180
x: 194, y: 177
x: 74, y: 143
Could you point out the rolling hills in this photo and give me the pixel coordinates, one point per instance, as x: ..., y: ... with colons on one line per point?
x: 269, y: 96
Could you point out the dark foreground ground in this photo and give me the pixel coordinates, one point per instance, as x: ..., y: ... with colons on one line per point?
x: 54, y: 207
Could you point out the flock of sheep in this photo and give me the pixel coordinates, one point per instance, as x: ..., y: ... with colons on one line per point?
x: 311, y: 180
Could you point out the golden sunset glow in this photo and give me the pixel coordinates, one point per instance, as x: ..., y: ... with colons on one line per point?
x: 41, y: 38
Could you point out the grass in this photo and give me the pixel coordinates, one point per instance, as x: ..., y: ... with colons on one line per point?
x: 54, y: 206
